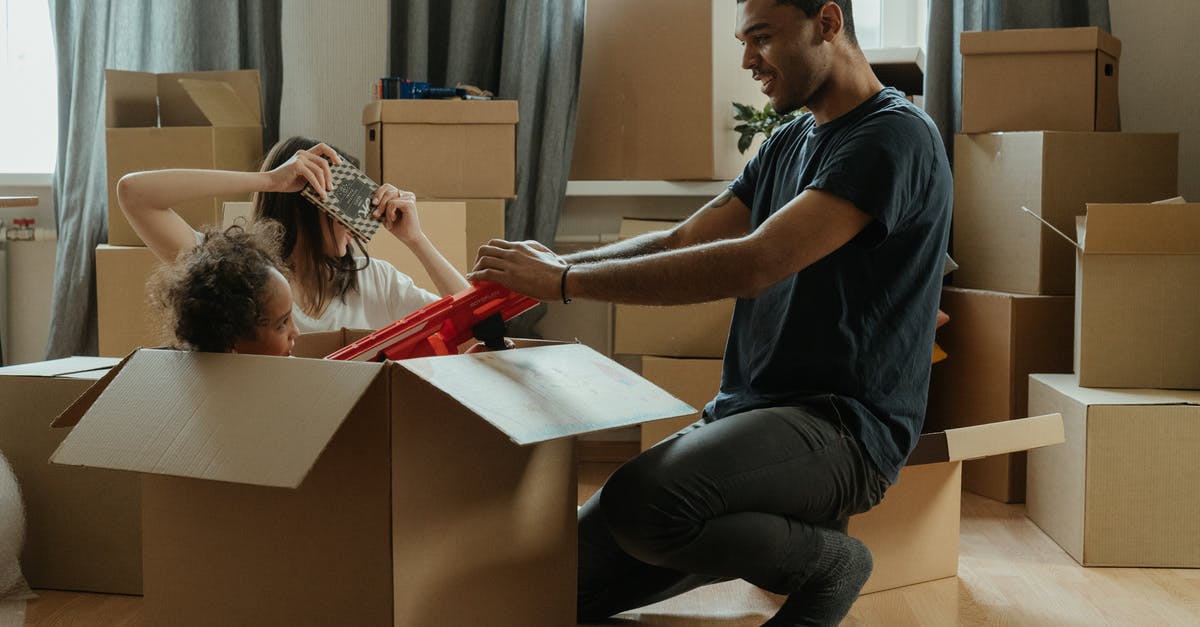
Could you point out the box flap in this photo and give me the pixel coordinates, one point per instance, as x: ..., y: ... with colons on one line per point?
x: 218, y: 102
x: 177, y: 107
x: 441, y: 112
x: 60, y: 367
x: 71, y: 415
x: 1067, y: 385
x: 993, y: 438
x: 240, y: 418
x: 1040, y: 40
x: 547, y: 392
x: 1168, y: 229
x: 901, y: 67
x: 130, y: 99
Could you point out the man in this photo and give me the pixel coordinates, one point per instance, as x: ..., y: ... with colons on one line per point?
x: 833, y: 240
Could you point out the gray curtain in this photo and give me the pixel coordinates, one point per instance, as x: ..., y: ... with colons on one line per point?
x: 528, y: 50
x: 949, y: 18
x: 141, y: 35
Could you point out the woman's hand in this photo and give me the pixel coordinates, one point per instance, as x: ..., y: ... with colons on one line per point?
x: 397, y: 209
x: 306, y: 167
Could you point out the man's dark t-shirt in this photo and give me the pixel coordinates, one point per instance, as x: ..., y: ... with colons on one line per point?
x: 856, y: 327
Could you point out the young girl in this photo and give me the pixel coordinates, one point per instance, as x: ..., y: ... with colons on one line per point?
x: 331, y: 287
x: 229, y: 293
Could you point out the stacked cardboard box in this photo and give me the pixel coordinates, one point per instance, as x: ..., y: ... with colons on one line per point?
x: 1040, y: 131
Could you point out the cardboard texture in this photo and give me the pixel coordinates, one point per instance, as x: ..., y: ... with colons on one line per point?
x: 630, y: 127
x: 1053, y: 174
x: 1137, y: 312
x: 124, y: 316
x: 1122, y: 491
x: 685, y: 331
x: 209, y: 120
x: 403, y: 482
x: 82, y: 525
x: 913, y: 532
x: 456, y: 227
x: 1053, y: 79
x: 443, y: 148
x: 694, y: 381
x: 994, y: 341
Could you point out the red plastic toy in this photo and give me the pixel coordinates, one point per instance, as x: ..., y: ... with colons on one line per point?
x: 440, y: 327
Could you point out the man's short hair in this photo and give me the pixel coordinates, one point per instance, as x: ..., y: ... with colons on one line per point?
x: 810, y: 8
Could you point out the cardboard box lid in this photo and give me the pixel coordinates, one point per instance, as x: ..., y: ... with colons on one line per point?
x: 218, y: 102
x: 1067, y: 385
x: 549, y: 392
x: 1021, y: 40
x: 60, y: 367
x: 993, y: 438
x: 238, y: 418
x: 144, y: 99
x: 1165, y: 229
x: 441, y: 112
x: 901, y: 67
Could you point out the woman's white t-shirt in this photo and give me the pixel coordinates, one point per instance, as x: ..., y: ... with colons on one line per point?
x: 383, y: 296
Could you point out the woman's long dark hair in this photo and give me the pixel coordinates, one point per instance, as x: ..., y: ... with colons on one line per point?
x: 321, y: 278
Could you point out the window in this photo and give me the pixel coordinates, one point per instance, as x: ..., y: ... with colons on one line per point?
x: 29, y: 106
x: 890, y: 23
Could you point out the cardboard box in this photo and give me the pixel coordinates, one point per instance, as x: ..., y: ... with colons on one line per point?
x: 125, y: 320
x: 913, y: 532
x: 694, y: 381
x: 82, y: 525
x: 1035, y: 79
x: 443, y: 148
x: 1122, y: 492
x: 1137, y: 309
x: 631, y: 126
x: 994, y: 342
x: 457, y: 228
x: 210, y: 120
x: 306, y: 491
x: 684, y: 331
x: 1053, y: 174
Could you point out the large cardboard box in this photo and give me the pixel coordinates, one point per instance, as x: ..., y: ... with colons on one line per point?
x: 632, y: 125
x: 207, y: 120
x: 306, y: 491
x: 913, y: 532
x: 82, y: 525
x: 694, y: 381
x: 125, y: 320
x: 443, y: 148
x: 1053, y: 174
x: 995, y: 341
x: 685, y: 331
x: 457, y: 228
x: 1137, y: 309
x: 1122, y: 491
x: 1040, y: 79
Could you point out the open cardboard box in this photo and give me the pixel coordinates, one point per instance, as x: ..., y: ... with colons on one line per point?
x: 305, y: 491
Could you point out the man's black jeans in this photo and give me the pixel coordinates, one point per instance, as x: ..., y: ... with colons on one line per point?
x: 737, y: 498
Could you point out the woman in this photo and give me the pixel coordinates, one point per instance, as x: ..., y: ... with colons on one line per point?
x: 331, y: 287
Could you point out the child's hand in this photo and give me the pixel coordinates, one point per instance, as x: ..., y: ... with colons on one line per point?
x: 306, y: 167
x: 397, y: 209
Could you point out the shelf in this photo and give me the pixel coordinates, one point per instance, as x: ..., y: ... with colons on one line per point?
x: 646, y: 188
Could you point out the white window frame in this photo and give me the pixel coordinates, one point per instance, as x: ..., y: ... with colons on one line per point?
x: 34, y: 101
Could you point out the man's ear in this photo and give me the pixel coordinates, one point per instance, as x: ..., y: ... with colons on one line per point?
x: 831, y: 19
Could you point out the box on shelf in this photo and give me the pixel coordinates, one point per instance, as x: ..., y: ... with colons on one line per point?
x: 1053, y: 174
x: 995, y: 341
x: 307, y: 491
x: 457, y: 228
x: 82, y: 525
x: 443, y: 148
x: 210, y: 120
x: 684, y: 331
x: 629, y: 126
x: 1052, y: 79
x: 1122, y: 491
x: 1137, y: 309
x: 694, y: 381
x: 124, y: 317
x: 913, y: 532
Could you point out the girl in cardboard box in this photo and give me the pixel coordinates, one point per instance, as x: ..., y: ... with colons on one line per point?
x: 331, y: 287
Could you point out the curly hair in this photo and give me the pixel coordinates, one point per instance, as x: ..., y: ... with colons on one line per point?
x: 214, y: 295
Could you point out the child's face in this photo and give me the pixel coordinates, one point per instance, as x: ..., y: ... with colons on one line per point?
x: 278, y: 334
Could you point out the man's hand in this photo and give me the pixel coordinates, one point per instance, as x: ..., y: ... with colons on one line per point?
x: 525, y: 267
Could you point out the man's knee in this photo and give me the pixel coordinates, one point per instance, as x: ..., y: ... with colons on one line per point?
x: 643, y: 510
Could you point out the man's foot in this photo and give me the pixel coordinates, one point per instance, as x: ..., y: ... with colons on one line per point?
x: 825, y: 599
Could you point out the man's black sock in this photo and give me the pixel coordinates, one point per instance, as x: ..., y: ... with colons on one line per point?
x: 842, y: 568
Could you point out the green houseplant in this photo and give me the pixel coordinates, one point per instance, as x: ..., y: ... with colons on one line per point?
x: 755, y: 121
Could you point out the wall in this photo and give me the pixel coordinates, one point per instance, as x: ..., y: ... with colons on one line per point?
x: 1160, y: 72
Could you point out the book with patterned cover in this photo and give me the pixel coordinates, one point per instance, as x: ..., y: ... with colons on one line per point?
x: 349, y: 202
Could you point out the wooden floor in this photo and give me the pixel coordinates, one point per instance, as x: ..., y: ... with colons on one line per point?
x: 1009, y: 573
